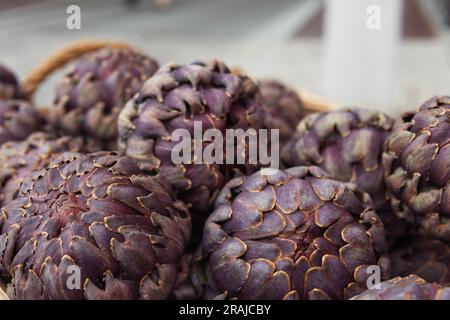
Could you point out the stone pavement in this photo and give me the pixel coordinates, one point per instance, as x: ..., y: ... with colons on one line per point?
x: 256, y: 35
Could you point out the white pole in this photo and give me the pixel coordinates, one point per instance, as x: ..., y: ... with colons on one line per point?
x: 361, y: 43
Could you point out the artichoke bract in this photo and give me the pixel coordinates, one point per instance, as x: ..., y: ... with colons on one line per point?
x: 9, y: 86
x: 93, y: 92
x: 283, y: 106
x: 18, y: 119
x: 181, y: 97
x: 408, y: 288
x: 295, y: 234
x: 427, y: 258
x: 19, y: 159
x: 416, y: 161
x: 93, y: 227
x: 348, y: 144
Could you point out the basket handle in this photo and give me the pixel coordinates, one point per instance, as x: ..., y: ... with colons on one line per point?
x: 311, y: 102
x: 60, y: 58
x: 316, y: 104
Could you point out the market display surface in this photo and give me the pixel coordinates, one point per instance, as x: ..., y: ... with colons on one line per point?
x: 94, y: 206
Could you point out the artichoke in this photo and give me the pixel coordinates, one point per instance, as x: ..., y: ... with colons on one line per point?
x: 19, y: 159
x: 94, y: 91
x: 9, y: 86
x: 427, y: 258
x: 18, y: 119
x: 283, y: 106
x: 348, y: 144
x: 416, y: 161
x: 409, y: 288
x: 295, y: 234
x: 181, y: 96
x: 93, y: 227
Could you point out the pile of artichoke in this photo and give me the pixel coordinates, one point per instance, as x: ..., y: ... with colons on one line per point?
x: 93, y: 205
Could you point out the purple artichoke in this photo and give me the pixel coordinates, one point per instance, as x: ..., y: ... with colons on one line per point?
x: 283, y: 106
x: 92, y: 94
x: 416, y: 161
x: 18, y: 119
x: 9, y: 86
x: 348, y: 144
x: 178, y: 97
x: 93, y: 227
x: 295, y: 234
x: 409, y: 288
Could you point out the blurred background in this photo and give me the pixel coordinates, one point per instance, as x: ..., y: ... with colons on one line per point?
x: 385, y: 54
